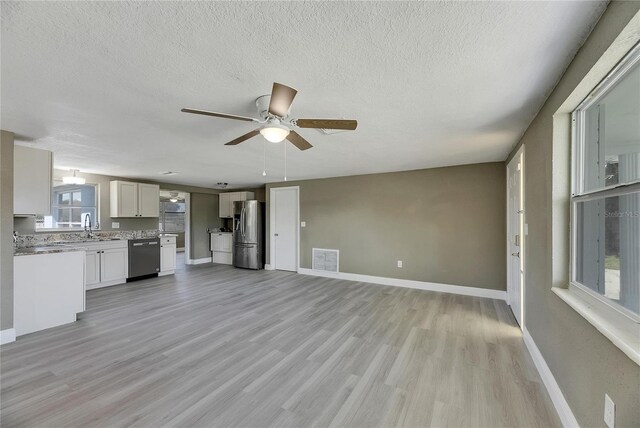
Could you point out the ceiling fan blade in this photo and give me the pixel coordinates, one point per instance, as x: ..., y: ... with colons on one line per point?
x: 281, y: 98
x: 223, y: 115
x: 243, y: 138
x: 297, y: 140
x: 327, y: 123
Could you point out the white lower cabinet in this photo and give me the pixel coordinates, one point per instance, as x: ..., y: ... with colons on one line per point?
x: 106, y: 263
x: 222, y: 247
x: 48, y: 290
x: 167, y: 255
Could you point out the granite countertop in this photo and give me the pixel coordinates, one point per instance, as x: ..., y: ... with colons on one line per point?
x: 60, y: 246
x: 46, y: 249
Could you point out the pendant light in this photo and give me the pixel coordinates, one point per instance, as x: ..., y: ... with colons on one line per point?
x: 72, y: 179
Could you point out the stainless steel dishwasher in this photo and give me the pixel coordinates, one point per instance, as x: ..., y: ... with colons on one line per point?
x: 144, y: 257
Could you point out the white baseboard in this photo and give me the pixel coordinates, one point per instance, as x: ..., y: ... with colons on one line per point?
x: 267, y: 266
x: 198, y: 261
x: 407, y: 283
x: 7, y: 336
x: 562, y: 407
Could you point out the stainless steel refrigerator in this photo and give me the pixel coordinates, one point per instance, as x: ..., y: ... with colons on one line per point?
x: 248, y: 234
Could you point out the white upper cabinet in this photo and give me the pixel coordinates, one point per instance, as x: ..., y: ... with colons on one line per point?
x: 32, y: 178
x: 134, y: 199
x: 227, y: 200
x: 148, y: 200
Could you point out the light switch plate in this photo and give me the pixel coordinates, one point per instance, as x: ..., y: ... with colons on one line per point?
x: 115, y: 225
x: 399, y: 263
x: 303, y: 224
x: 609, y: 411
x: 526, y: 229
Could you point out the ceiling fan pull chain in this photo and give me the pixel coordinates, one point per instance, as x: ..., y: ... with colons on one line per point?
x: 264, y: 157
x: 285, y: 162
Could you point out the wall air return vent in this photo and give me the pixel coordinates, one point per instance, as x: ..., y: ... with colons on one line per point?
x: 325, y: 260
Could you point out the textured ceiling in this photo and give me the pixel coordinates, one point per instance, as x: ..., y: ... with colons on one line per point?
x: 431, y: 84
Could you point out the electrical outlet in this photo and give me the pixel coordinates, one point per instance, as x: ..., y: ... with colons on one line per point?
x: 399, y: 263
x: 303, y: 224
x: 115, y: 225
x: 609, y: 411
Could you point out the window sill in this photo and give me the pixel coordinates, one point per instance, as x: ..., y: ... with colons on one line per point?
x: 622, y: 331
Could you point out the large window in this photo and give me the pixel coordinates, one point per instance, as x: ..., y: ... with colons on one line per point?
x: 72, y: 207
x: 606, y: 190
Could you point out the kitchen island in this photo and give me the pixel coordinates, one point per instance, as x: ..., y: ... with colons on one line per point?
x: 48, y: 287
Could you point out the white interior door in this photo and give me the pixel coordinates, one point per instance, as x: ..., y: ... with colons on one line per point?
x: 284, y: 228
x: 515, y: 235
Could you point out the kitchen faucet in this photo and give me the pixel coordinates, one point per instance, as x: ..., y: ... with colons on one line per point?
x: 87, y: 217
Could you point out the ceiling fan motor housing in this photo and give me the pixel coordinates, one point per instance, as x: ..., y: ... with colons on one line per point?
x: 262, y: 103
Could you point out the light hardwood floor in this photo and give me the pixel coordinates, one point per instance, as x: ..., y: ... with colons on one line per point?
x: 217, y: 346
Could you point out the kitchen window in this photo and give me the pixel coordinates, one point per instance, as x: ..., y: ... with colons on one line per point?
x: 72, y: 206
x: 605, y: 200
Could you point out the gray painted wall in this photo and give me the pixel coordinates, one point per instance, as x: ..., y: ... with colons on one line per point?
x: 447, y: 225
x: 6, y: 230
x: 585, y: 363
x: 27, y: 225
x: 204, y: 215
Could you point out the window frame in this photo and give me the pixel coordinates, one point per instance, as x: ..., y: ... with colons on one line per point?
x: 162, y: 211
x: 54, y: 205
x: 578, y: 194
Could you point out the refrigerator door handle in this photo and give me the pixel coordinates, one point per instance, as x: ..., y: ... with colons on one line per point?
x: 242, y: 219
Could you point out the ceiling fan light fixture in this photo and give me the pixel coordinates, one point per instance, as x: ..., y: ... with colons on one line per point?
x: 72, y: 179
x: 274, y: 132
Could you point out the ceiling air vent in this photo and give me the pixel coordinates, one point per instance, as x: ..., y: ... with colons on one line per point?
x: 325, y: 260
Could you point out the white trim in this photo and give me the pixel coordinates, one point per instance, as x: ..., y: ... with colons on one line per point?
x: 408, y: 283
x: 167, y: 272
x: 198, y: 261
x: 562, y: 407
x: 7, y: 336
x: 272, y: 243
x: 187, y: 227
x: 103, y: 284
x: 268, y: 266
x: 622, y: 331
x: 517, y: 159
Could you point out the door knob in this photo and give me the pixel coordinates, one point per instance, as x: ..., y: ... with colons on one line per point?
x: 516, y: 254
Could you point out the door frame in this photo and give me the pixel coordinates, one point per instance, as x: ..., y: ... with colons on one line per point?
x: 519, y: 156
x: 187, y: 228
x: 272, y: 220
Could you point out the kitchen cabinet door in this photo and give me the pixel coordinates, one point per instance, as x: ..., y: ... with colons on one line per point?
x: 114, y: 264
x: 227, y: 242
x: 124, y: 199
x: 92, y: 268
x: 216, y: 241
x: 225, y: 205
x: 167, y: 257
x: 148, y: 200
x: 32, y: 177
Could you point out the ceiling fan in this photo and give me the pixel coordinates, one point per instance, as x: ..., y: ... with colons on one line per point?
x: 277, y: 123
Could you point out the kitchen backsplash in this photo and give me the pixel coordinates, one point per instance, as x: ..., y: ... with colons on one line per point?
x: 40, y: 239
